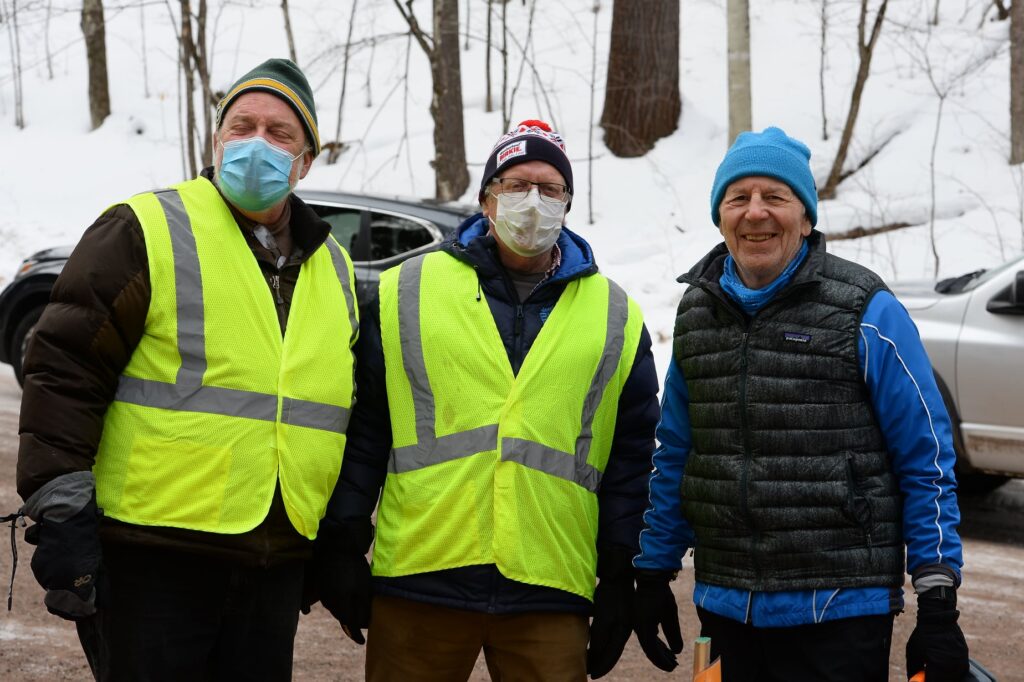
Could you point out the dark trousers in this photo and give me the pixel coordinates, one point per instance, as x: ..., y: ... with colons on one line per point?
x: 165, y: 615
x: 844, y: 650
x: 410, y: 641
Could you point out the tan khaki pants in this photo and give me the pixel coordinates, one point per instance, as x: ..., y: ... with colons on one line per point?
x: 412, y: 641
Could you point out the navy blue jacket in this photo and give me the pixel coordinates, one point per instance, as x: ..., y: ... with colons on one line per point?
x: 623, y: 494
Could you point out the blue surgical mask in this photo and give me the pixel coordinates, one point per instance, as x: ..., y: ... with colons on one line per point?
x: 254, y: 174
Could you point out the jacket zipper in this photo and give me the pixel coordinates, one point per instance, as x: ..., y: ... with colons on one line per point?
x: 755, y: 538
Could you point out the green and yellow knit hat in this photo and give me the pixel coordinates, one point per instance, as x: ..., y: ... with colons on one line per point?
x: 283, y: 78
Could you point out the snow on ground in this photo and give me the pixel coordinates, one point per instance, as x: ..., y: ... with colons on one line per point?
x: 651, y: 215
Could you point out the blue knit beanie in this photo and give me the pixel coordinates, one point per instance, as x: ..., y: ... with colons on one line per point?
x: 773, y: 154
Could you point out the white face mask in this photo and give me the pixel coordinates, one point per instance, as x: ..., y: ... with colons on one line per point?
x: 529, y: 226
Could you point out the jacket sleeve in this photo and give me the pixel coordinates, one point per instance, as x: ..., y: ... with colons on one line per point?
x: 368, y: 437
x: 917, y: 430
x: 622, y: 496
x: 666, y: 533
x: 81, y: 344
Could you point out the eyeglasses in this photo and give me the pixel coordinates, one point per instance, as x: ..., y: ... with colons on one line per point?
x: 515, y: 188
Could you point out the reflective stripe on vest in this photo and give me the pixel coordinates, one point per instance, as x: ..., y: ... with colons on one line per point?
x: 216, y: 409
x: 489, y: 467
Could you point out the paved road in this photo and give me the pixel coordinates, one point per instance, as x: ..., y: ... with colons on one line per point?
x: 36, y: 646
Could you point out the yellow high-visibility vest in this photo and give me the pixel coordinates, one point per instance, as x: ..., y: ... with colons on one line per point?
x: 214, y: 407
x: 487, y: 467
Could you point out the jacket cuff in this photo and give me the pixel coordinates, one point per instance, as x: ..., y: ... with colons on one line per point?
x: 934, y: 575
x: 62, y: 498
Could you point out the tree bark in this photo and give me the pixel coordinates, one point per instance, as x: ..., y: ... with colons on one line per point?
x: 335, y: 151
x: 488, y: 102
x: 94, y: 31
x: 288, y: 31
x: 642, y: 102
x: 866, y: 50
x: 738, y: 42
x: 450, y: 172
x: 1017, y: 82
x: 185, y: 50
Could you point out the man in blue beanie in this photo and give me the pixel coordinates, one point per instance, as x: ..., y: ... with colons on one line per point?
x: 805, y: 449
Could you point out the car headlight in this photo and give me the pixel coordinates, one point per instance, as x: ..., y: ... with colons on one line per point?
x: 25, y: 266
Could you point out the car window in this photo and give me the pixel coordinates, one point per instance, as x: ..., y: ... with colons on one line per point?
x: 392, y: 235
x: 344, y: 224
x: 989, y: 274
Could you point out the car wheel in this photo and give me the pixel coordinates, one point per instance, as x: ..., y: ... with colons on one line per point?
x: 19, y: 340
x: 969, y: 481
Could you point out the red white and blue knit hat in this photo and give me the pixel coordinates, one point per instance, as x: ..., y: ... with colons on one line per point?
x: 531, y: 140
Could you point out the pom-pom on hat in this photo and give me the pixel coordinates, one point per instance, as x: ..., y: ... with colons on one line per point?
x: 531, y: 140
x: 283, y: 78
x: 773, y: 154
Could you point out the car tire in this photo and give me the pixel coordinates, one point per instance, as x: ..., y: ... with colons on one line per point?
x: 969, y: 481
x: 20, y: 338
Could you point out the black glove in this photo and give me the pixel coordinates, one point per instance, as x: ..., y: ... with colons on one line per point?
x: 342, y: 575
x: 937, y: 645
x: 66, y: 535
x: 611, y: 626
x: 654, y: 606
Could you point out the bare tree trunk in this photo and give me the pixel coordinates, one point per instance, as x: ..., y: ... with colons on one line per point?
x: 1002, y: 12
x: 935, y: 14
x: 335, y: 151
x: 94, y: 30
x: 468, y: 5
x: 740, y: 116
x: 821, y: 68
x: 1017, y: 82
x: 451, y: 178
x: 46, y: 40
x: 451, y: 174
x: 866, y: 50
x: 15, y: 46
x: 505, y: 113
x: 145, y: 65
x: 288, y: 31
x: 590, y: 127
x: 931, y: 169
x: 488, y: 102
x: 203, y: 68
x: 642, y: 101
x: 185, y: 49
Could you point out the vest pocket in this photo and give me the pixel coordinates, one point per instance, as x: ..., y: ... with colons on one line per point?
x: 858, y: 507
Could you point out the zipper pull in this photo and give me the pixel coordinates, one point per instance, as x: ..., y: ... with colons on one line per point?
x: 519, y: 320
x: 275, y: 283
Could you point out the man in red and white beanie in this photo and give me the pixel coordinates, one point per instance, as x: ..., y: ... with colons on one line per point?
x: 509, y: 413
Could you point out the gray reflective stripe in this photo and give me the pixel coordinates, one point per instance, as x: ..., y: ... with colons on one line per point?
x: 551, y: 461
x: 188, y: 394
x: 188, y: 289
x: 229, y: 402
x: 614, y: 338
x: 443, y: 449
x: 314, y: 415
x: 430, y: 450
x: 341, y: 268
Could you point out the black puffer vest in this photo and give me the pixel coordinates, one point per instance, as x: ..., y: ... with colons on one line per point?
x: 788, y: 486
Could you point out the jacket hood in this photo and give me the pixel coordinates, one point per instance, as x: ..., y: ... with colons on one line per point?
x: 577, y: 256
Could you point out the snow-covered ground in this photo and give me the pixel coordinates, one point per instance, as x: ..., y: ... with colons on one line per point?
x: 651, y: 215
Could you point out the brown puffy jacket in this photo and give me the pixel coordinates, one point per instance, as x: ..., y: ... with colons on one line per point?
x: 82, y: 343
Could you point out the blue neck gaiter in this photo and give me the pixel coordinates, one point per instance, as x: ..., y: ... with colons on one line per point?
x: 752, y: 300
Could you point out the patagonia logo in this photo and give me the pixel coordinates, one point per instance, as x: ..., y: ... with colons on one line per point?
x: 796, y: 337
x: 512, y: 151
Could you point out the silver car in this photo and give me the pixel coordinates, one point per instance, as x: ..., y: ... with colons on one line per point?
x: 973, y: 329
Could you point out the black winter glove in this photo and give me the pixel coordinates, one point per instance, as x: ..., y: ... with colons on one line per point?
x: 937, y: 645
x: 66, y: 562
x: 342, y: 575
x: 655, y: 606
x: 611, y: 627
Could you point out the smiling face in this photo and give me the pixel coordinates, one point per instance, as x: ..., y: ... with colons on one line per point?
x: 763, y: 223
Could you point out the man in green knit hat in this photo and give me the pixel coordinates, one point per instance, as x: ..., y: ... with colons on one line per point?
x: 178, y: 448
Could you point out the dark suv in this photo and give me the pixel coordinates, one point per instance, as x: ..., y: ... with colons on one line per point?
x: 378, y: 232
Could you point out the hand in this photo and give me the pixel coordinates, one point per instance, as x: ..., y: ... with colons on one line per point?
x: 341, y: 575
x: 654, y: 606
x: 611, y: 626
x: 66, y: 562
x: 937, y: 645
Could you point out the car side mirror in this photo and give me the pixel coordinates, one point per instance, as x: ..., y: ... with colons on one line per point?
x: 1009, y: 301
